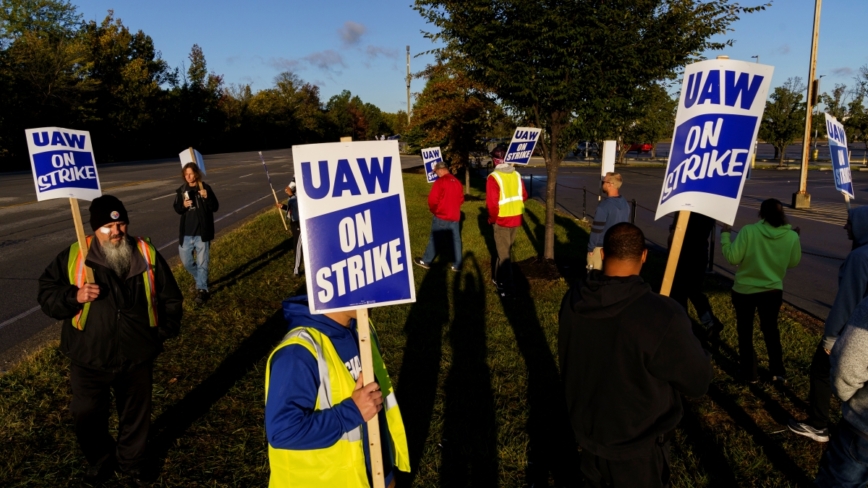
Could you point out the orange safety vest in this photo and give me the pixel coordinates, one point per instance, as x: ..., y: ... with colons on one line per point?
x: 77, y: 278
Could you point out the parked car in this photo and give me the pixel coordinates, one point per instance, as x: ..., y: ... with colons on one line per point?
x: 593, y: 149
x: 640, y: 148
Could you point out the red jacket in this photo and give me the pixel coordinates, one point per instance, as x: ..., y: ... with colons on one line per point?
x: 446, y: 198
x: 492, y: 201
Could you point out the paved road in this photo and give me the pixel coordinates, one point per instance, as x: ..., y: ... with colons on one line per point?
x: 811, y: 286
x: 32, y: 233
x: 858, y: 152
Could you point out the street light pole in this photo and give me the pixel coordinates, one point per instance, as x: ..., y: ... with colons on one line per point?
x: 408, y: 84
x: 757, y: 58
x: 802, y: 199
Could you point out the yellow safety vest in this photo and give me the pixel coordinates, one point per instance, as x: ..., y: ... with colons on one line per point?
x: 343, y: 463
x: 511, y: 202
x: 77, y: 277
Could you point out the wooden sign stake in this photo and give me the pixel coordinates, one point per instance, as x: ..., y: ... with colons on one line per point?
x: 82, y: 239
x: 674, y: 252
x: 847, y: 200
x: 279, y: 211
x: 365, y: 344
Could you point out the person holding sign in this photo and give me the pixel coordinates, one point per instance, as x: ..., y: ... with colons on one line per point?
x: 626, y: 356
x: 852, y: 289
x: 692, y: 263
x: 196, y: 202
x: 112, y: 331
x: 444, y: 201
x: 316, y: 405
x: 763, y: 252
x: 504, y: 197
x: 613, y: 210
x: 291, y: 208
x: 845, y: 461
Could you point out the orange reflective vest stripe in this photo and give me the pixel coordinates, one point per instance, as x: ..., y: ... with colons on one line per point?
x: 77, y: 277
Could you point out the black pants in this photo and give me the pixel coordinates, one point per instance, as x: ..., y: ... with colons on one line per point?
x: 648, y: 471
x: 768, y: 305
x: 90, y: 413
x: 687, y: 284
x: 821, y: 389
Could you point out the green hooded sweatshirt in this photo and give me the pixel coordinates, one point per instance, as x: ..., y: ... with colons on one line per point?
x: 763, y: 255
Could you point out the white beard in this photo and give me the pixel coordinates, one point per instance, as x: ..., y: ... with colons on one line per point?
x: 118, y: 256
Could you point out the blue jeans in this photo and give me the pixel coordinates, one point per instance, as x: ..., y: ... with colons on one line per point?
x: 441, y: 227
x: 845, y: 462
x: 198, y: 268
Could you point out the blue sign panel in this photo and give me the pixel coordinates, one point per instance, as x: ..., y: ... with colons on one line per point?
x: 840, y: 155
x: 430, y: 157
x: 522, y: 145
x: 712, y: 150
x: 354, y: 225
x: 63, y: 164
x: 719, y: 112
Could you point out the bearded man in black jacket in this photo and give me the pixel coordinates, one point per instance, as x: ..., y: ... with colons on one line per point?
x: 626, y: 355
x: 112, y: 331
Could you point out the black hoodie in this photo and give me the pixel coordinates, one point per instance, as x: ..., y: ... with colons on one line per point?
x: 625, y: 354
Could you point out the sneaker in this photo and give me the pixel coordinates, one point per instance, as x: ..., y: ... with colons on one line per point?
x: 201, y: 297
x: 807, y: 430
x: 420, y: 263
x: 455, y: 268
x: 779, y: 380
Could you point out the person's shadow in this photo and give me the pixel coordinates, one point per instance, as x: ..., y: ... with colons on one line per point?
x: 552, y: 449
x: 469, y: 456
x: 416, y: 385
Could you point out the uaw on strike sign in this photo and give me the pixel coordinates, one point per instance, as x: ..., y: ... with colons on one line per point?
x: 521, y: 147
x: 354, y: 225
x: 63, y: 163
x: 719, y: 114
x: 840, y: 155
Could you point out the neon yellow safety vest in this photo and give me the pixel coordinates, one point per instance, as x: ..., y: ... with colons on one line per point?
x: 511, y: 202
x: 341, y: 465
x: 77, y: 278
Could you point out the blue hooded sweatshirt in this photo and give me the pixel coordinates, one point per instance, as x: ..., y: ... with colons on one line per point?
x: 290, y: 419
x: 852, y: 278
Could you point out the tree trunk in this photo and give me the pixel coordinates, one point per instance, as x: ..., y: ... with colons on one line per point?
x: 781, y: 152
x: 466, y: 179
x: 552, y: 167
x: 553, y: 161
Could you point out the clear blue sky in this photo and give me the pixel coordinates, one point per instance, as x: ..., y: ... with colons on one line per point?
x: 360, y: 45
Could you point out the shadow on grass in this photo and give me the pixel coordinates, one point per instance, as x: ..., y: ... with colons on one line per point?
x: 551, y: 447
x: 469, y: 456
x: 416, y: 387
x: 569, y: 253
x: 172, y: 424
x: 252, y: 266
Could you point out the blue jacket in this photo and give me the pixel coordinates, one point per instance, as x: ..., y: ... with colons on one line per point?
x: 852, y: 279
x: 290, y: 419
x: 611, y: 211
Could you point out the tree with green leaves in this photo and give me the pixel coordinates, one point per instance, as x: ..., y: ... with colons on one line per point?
x: 549, y: 61
x: 129, y: 74
x: 452, y: 112
x: 784, y: 117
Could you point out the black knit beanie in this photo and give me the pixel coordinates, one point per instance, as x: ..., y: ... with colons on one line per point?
x: 107, y: 209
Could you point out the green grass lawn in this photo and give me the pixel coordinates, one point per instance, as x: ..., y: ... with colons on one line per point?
x: 476, y: 376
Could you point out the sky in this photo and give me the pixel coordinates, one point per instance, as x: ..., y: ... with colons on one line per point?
x: 360, y: 45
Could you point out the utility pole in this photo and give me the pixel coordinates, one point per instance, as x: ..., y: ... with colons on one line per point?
x: 408, y: 84
x: 802, y: 199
